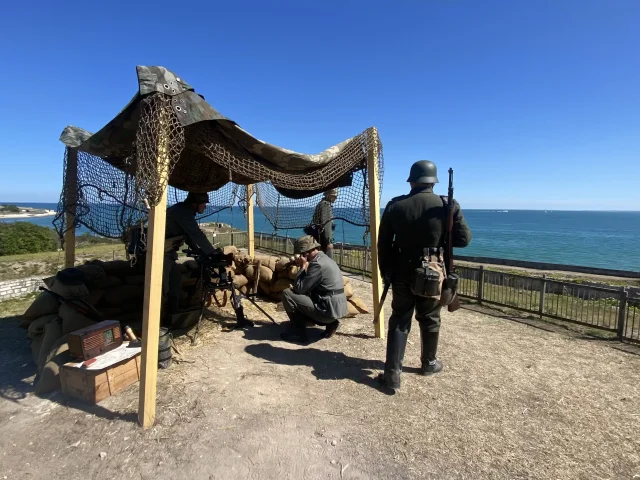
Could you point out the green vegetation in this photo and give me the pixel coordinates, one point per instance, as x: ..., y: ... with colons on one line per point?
x: 16, y: 306
x: 9, y: 209
x: 25, y: 237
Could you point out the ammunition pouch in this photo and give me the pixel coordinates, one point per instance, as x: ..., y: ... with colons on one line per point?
x: 428, y: 280
x: 449, y: 289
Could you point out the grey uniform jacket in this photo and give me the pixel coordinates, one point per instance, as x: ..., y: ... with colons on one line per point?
x: 321, y: 279
x: 322, y: 215
x: 181, y: 221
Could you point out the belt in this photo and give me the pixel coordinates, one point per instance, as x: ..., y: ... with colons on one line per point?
x: 330, y: 293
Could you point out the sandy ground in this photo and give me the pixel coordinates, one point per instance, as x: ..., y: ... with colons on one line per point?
x: 514, y: 402
x: 48, y: 213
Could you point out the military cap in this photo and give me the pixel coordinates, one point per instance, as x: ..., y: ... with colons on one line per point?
x: 197, y: 197
x: 306, y: 243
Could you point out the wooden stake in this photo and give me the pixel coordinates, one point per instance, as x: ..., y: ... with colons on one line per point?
x: 153, y: 289
x: 70, y: 202
x: 250, y: 223
x: 374, y: 223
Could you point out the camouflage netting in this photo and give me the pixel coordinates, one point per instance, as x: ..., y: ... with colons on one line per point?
x: 201, y: 150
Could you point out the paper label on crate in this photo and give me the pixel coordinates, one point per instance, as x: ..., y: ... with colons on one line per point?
x: 123, y: 352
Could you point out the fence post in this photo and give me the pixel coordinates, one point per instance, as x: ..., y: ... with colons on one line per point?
x: 261, y: 244
x: 622, y: 312
x: 543, y: 289
x: 341, y: 254
x: 232, y: 243
x: 480, y: 283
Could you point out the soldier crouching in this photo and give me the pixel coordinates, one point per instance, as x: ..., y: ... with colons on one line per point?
x: 317, y: 294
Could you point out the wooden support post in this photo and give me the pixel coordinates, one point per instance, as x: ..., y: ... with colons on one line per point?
x: 374, y: 223
x: 153, y: 289
x: 70, y: 203
x: 250, y: 224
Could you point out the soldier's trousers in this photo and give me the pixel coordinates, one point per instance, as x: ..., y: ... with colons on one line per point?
x: 427, y: 312
x: 171, y: 283
x: 300, y: 308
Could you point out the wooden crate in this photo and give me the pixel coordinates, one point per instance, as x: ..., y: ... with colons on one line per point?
x: 93, y: 386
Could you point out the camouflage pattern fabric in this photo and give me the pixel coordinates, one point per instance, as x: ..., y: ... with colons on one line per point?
x: 117, y: 139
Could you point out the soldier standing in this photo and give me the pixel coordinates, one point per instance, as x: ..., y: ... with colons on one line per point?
x: 409, y: 224
x: 322, y: 217
x: 181, y: 225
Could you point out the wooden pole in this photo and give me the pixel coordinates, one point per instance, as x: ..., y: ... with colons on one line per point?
x: 250, y: 222
x: 153, y: 288
x: 374, y: 224
x: 70, y: 202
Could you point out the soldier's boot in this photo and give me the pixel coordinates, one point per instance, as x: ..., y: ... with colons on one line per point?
x: 331, y: 328
x: 396, y: 345
x: 429, y: 348
x: 298, y: 330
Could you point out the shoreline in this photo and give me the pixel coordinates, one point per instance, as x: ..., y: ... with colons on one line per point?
x: 48, y: 213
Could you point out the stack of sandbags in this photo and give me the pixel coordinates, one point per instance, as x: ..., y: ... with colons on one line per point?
x: 275, y: 274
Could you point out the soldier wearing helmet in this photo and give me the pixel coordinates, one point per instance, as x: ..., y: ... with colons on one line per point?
x: 322, y: 217
x: 181, y: 226
x: 317, y: 294
x: 410, y: 223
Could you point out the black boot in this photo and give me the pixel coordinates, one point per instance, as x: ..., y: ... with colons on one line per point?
x: 297, y: 331
x: 331, y: 328
x: 396, y: 345
x: 429, y: 342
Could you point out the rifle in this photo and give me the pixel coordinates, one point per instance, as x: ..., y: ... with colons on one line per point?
x: 452, y: 278
x: 376, y: 315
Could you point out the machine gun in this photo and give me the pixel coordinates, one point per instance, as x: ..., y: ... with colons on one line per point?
x: 214, y: 267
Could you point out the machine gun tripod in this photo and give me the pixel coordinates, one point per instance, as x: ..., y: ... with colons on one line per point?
x: 214, y: 267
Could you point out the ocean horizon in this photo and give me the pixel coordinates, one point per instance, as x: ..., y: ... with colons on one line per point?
x: 591, y: 238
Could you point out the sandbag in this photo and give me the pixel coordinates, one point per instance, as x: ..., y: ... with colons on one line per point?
x: 348, y: 291
x: 266, y: 274
x: 66, y: 291
x: 282, y: 264
x: 110, y: 313
x: 36, y: 344
x: 44, y: 304
x: 250, y: 273
x: 119, y: 268
x: 110, y: 282
x: 244, y: 290
x: 280, y: 285
x: 52, y: 333
x: 124, y: 293
x: 292, y: 272
x: 95, y: 296
x: 230, y: 249
x: 49, y: 379
x: 352, y: 311
x: 134, y: 280
x: 359, y: 304
x: 267, y: 261
x: 346, y: 280
x: 36, y: 328
x: 191, y: 264
x: 264, y: 287
x: 240, y: 281
x: 93, y: 274
x: 72, y: 319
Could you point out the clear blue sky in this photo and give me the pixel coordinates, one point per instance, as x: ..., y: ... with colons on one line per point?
x: 535, y: 104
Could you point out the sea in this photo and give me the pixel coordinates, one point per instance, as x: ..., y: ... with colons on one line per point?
x: 586, y: 238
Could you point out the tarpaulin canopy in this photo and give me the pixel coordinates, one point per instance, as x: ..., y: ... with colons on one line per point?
x: 208, y: 149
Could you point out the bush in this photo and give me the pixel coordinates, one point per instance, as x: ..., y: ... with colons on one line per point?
x: 25, y: 237
x: 9, y: 209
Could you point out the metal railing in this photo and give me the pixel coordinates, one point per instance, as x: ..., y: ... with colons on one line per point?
x: 603, y: 308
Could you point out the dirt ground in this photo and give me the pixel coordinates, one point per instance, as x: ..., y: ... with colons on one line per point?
x: 513, y: 402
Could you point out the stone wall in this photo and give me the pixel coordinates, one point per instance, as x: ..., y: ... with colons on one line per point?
x: 19, y: 287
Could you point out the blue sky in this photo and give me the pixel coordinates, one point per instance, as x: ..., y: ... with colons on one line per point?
x: 534, y: 104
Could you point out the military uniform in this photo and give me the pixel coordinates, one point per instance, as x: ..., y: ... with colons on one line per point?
x: 181, y: 222
x: 409, y: 224
x: 322, y: 216
x: 317, y: 294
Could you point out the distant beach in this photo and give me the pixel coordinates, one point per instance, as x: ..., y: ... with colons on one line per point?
x: 46, y: 213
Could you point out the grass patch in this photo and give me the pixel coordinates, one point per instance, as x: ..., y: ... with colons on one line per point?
x: 16, y: 306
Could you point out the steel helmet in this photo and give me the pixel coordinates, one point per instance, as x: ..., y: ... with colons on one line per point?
x: 423, y: 171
